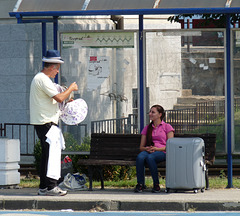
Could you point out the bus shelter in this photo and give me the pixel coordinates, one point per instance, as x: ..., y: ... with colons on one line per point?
x: 45, y: 11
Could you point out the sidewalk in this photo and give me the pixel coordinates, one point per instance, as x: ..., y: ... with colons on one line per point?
x: 122, y: 200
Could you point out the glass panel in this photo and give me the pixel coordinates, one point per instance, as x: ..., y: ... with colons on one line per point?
x: 104, y: 65
x: 236, y: 74
x: 185, y: 74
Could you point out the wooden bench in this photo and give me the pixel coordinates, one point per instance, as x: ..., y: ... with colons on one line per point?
x: 122, y: 149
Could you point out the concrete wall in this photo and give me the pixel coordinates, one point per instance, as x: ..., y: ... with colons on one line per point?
x: 20, y: 48
x: 163, y: 60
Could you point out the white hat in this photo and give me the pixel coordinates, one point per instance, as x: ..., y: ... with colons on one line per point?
x: 74, y: 112
x: 53, y: 56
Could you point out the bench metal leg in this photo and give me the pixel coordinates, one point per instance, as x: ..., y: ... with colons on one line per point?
x: 90, y: 176
x: 100, y: 171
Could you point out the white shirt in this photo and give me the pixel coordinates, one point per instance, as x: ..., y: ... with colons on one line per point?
x: 56, y: 144
x: 43, y: 108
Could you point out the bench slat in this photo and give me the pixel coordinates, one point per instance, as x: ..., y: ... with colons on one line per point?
x: 97, y: 162
x: 115, y: 146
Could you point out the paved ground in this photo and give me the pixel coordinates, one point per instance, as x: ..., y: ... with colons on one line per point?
x: 122, y: 200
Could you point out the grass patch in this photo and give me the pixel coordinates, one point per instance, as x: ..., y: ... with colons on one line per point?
x: 215, y: 182
x: 29, y: 182
x: 221, y: 183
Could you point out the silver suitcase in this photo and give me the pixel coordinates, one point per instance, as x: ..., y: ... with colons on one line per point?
x: 185, y: 165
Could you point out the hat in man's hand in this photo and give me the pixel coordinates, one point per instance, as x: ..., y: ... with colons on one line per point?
x: 53, y: 56
x: 74, y: 112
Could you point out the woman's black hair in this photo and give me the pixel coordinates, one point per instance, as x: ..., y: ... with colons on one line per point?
x: 150, y: 128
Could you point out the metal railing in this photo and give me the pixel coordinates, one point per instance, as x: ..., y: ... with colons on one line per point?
x: 127, y: 125
x: 204, y: 113
x: 212, y: 111
x: 22, y: 131
x: 185, y: 118
x: 28, y: 137
x: 1, y: 130
x: 209, y: 112
x: 202, y: 116
x: 77, y: 131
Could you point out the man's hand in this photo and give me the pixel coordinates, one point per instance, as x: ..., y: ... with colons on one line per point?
x: 64, y: 95
x: 73, y: 86
x: 70, y: 100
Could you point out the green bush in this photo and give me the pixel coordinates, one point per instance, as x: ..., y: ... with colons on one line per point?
x: 116, y: 173
x: 71, y: 145
x: 218, y: 127
x: 110, y: 173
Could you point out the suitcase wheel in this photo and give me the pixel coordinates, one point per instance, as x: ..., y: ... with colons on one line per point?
x: 167, y: 190
x: 202, y: 190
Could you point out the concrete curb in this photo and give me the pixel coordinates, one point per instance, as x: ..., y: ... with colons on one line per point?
x: 122, y: 200
x: 117, y: 205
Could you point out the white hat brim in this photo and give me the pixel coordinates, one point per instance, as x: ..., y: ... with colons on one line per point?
x: 53, y: 60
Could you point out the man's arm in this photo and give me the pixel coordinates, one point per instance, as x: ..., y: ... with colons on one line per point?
x: 64, y: 95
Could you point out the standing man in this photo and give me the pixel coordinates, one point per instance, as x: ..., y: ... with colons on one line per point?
x: 44, y: 112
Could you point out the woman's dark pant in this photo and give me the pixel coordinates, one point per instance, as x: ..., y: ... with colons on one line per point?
x: 152, y: 159
x: 45, y: 182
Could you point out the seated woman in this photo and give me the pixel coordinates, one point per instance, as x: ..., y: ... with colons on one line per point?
x: 153, y: 147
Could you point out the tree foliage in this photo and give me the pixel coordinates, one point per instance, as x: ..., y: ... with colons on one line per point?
x: 218, y: 20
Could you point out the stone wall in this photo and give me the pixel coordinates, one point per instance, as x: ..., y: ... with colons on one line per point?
x: 206, y: 80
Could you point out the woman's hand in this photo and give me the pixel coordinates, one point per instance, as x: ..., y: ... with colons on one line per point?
x: 150, y: 149
x: 154, y: 149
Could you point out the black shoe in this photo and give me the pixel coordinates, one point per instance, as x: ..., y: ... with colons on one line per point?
x: 156, y: 188
x: 138, y: 188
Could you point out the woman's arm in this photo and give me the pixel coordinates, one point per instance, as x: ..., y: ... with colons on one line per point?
x: 170, y: 135
x: 143, y: 142
x: 143, y: 146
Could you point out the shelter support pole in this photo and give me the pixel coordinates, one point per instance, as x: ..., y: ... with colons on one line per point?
x: 142, y: 76
x: 44, y: 39
x: 55, y: 32
x: 55, y: 40
x: 229, y: 105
